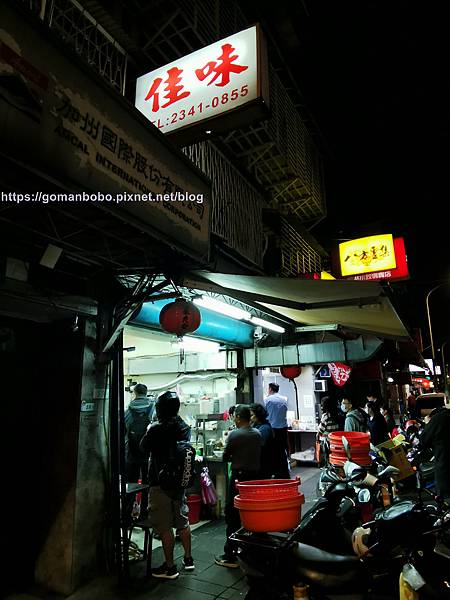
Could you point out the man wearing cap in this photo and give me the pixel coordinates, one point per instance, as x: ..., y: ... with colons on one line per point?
x: 167, y: 508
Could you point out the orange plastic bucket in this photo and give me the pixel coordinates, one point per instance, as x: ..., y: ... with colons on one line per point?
x: 268, y: 489
x: 194, y: 502
x: 359, y: 443
x: 270, y: 515
x: 355, y: 438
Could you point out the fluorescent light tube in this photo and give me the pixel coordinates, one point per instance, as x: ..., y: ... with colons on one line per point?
x: 267, y: 325
x: 221, y: 307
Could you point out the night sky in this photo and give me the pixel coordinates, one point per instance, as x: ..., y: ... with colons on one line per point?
x: 375, y: 76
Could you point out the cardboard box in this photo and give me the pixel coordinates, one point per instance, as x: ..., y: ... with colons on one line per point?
x: 392, y: 442
x: 396, y: 456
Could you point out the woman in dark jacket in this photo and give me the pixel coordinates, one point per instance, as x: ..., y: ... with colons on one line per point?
x: 377, y: 425
x: 389, y: 418
x: 259, y: 421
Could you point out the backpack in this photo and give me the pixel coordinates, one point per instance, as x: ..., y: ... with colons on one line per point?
x: 136, y: 428
x: 178, y: 473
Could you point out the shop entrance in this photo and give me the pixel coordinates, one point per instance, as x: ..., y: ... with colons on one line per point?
x: 203, y: 376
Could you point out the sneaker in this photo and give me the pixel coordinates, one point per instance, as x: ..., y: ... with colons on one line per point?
x: 165, y: 572
x: 188, y: 563
x: 226, y: 561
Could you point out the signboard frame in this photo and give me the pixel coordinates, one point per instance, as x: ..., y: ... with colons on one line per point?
x: 235, y: 116
x: 400, y: 273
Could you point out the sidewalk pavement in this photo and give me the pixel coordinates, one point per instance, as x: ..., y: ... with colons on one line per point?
x: 207, y: 582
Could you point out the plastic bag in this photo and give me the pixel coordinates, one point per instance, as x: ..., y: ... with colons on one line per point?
x: 208, y: 491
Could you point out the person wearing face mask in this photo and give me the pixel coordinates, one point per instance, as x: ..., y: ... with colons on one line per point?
x: 355, y: 418
x: 269, y: 457
x: 377, y: 424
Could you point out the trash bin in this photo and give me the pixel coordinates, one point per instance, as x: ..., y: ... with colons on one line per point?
x: 194, y: 502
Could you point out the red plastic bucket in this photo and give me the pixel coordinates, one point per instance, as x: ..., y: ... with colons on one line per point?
x: 270, y: 515
x: 268, y: 489
x: 359, y: 443
x: 194, y: 502
x: 355, y: 438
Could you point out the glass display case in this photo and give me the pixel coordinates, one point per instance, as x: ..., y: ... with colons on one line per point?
x: 209, y: 435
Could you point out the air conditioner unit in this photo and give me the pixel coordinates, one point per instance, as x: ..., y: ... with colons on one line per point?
x: 320, y: 385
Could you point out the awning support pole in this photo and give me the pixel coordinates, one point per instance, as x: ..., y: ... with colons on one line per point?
x: 296, y: 399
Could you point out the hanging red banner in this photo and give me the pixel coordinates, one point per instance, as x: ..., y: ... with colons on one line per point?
x: 339, y: 372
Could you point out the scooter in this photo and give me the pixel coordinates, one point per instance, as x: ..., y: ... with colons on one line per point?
x: 374, y: 490
x: 406, y: 539
x: 318, y: 550
x: 318, y: 553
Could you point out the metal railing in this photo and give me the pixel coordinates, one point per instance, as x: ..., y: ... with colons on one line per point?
x: 92, y: 42
x: 297, y: 256
x: 236, y: 205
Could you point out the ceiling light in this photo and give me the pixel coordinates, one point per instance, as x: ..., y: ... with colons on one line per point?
x: 50, y: 256
x: 267, y: 325
x: 222, y: 307
x: 190, y: 344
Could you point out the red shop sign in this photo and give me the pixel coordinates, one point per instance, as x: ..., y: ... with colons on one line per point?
x: 339, y: 372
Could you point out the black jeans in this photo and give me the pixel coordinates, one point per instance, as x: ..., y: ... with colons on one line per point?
x: 281, y: 465
x: 232, y: 517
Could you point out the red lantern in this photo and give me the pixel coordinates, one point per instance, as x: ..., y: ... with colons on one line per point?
x: 291, y: 371
x: 180, y: 317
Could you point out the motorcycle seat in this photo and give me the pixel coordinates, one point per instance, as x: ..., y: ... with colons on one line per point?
x: 327, y: 571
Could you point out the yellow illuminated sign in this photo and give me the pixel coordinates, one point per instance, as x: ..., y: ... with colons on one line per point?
x: 366, y: 255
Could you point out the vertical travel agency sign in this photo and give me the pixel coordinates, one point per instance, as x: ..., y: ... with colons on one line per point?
x: 206, y: 84
x: 69, y: 125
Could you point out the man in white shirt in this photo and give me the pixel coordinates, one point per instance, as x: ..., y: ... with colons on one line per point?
x: 276, y: 406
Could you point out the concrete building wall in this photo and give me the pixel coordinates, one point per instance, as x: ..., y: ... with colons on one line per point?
x: 69, y: 552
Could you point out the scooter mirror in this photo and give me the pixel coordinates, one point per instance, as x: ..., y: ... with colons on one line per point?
x: 346, y: 445
x: 350, y: 468
x: 389, y: 471
x: 345, y: 505
x: 364, y: 496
